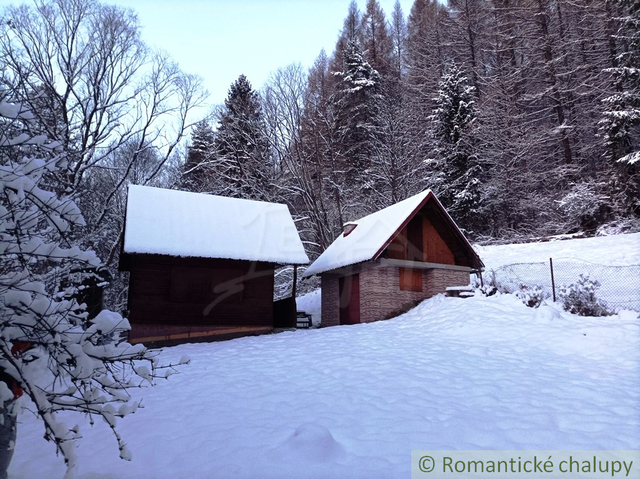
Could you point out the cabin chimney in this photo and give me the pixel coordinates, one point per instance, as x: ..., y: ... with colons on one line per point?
x: 348, y: 228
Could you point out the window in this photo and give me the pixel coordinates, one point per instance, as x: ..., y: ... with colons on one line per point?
x: 410, y: 279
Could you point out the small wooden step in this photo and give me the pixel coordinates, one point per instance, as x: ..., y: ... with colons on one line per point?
x: 459, y: 291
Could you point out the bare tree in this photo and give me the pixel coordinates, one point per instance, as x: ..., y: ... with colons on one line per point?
x: 91, y: 82
x: 296, y: 105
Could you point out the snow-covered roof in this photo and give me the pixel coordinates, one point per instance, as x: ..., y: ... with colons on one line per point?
x: 180, y: 223
x: 373, y: 233
x: 368, y: 237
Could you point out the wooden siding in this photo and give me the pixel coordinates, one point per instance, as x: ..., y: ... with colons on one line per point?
x: 284, y: 313
x: 398, y: 247
x: 415, y: 246
x: 410, y: 279
x: 441, y: 242
x: 462, y: 252
x: 435, y: 249
x: 200, y: 292
x: 421, y: 241
x: 162, y: 336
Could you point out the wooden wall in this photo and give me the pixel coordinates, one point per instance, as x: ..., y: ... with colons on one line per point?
x: 420, y: 241
x: 200, y: 291
x: 435, y: 249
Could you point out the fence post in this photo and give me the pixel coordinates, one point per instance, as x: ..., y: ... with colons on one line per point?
x: 553, y: 283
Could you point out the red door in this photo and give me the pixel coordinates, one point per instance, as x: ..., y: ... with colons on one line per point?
x: 349, y: 290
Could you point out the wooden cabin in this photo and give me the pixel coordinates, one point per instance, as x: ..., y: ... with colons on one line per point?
x: 202, y: 266
x: 386, y: 263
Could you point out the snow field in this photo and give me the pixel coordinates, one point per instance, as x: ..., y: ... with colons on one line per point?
x: 353, y: 401
x: 610, y: 250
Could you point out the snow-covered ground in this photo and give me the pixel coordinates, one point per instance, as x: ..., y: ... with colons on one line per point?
x: 611, y: 250
x: 353, y: 401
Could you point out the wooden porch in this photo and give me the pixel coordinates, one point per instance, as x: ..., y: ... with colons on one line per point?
x: 161, y: 336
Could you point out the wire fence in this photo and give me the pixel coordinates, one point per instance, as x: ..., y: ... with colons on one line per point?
x: 619, y: 286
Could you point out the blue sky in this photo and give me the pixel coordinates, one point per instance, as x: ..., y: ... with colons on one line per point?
x: 220, y: 39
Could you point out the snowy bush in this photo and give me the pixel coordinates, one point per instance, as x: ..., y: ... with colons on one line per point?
x: 585, y: 205
x: 532, y: 296
x: 488, y: 290
x: 580, y: 298
x: 49, y: 350
x: 492, y: 285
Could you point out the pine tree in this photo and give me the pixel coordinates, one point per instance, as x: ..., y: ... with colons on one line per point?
x: 319, y: 155
x: 242, y: 162
x: 357, y: 104
x: 350, y: 33
x: 196, y: 171
x: 426, y: 50
x: 458, y: 182
x: 468, y: 36
x: 399, y: 42
x: 621, y: 118
x: 426, y: 59
x: 552, y: 93
x: 397, y: 169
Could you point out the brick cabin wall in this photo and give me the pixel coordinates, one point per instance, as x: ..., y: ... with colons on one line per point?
x: 438, y: 280
x: 380, y: 294
x: 329, y: 300
x: 382, y: 298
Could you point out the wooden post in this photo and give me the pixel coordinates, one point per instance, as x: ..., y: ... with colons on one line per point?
x: 553, y: 283
x: 295, y: 281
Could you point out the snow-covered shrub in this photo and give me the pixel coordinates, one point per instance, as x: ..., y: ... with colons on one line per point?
x: 50, y: 350
x: 580, y: 298
x: 491, y: 286
x: 532, y: 296
x: 585, y: 206
x: 488, y: 290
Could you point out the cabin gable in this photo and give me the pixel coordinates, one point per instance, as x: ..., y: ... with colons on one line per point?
x: 420, y: 240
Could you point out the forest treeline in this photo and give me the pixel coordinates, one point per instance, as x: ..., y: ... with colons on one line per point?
x: 517, y: 113
x: 523, y: 116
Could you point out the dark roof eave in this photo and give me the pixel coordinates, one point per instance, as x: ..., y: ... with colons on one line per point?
x: 283, y: 263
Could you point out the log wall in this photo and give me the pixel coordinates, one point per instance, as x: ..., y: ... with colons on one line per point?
x: 200, y: 292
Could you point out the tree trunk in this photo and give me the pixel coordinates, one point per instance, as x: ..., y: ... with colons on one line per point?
x: 8, y: 426
x: 556, y: 97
